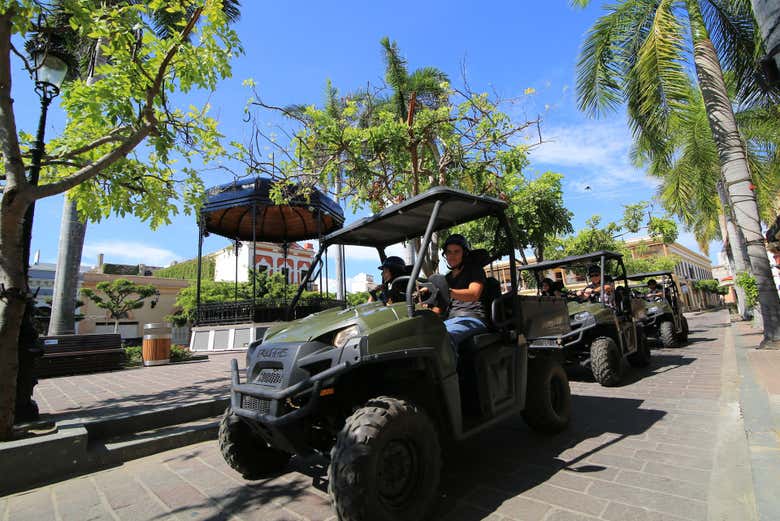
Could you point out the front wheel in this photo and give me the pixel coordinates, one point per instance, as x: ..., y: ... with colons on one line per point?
x: 605, y: 361
x: 245, y: 452
x: 548, y: 396
x: 640, y: 358
x: 386, y: 463
x: 666, y: 333
x: 682, y: 338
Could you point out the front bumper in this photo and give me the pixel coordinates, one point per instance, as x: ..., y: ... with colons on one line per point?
x: 570, y: 339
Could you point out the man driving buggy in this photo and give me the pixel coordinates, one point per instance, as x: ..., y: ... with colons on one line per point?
x: 593, y: 289
x: 653, y: 291
x: 391, y: 268
x: 466, y: 281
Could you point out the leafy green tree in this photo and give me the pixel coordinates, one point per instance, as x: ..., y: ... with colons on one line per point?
x: 638, y: 52
x: 88, y: 55
x: 120, y: 296
x: 107, y: 123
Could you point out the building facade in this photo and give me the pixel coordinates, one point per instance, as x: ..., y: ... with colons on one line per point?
x: 233, y: 264
x: 97, y: 320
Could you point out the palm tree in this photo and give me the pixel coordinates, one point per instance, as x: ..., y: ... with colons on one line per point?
x: 637, y: 54
x: 72, y: 227
x: 691, y: 182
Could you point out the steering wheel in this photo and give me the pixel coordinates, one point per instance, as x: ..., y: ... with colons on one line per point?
x: 397, y: 286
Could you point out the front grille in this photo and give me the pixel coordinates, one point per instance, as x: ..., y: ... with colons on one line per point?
x: 269, y: 376
x: 256, y: 404
x: 545, y: 342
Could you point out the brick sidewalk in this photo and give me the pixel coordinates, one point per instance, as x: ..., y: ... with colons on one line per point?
x: 118, y: 392
x: 642, y: 451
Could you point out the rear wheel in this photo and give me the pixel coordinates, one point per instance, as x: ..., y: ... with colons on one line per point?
x: 605, y: 361
x: 666, y: 334
x: 548, y: 397
x: 641, y: 358
x: 247, y: 453
x: 386, y: 463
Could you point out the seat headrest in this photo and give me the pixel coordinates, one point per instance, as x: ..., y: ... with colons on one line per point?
x: 479, y: 257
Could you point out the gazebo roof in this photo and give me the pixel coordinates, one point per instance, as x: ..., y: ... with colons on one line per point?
x: 229, y: 212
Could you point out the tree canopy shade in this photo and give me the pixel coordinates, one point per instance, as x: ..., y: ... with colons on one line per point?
x: 108, y: 121
x: 637, y: 53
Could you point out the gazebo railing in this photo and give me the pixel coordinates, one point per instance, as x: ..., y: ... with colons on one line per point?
x: 223, y: 313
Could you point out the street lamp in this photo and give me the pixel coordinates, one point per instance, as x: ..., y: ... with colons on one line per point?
x: 49, y: 71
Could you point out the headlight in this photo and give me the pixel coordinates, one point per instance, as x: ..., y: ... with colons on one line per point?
x: 652, y: 310
x: 345, y: 335
x: 582, y: 316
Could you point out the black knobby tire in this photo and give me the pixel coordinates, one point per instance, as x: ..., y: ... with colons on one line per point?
x: 666, y: 333
x: 605, y: 361
x: 548, y: 396
x: 640, y: 358
x: 683, y: 336
x: 386, y: 463
x: 247, y: 453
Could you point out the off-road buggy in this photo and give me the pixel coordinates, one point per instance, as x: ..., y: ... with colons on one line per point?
x: 603, y: 329
x: 664, y: 317
x: 380, y: 388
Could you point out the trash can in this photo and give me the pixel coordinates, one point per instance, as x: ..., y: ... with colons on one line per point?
x: 157, y: 344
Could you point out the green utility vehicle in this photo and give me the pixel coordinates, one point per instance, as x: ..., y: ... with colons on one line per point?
x: 380, y: 388
x: 604, y: 328
x: 664, y: 318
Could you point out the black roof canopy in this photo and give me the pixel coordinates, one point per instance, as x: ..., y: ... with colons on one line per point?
x: 409, y: 219
x: 574, y: 259
x: 228, y: 212
x: 640, y: 276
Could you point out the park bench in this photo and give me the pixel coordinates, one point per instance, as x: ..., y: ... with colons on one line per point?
x: 71, y: 354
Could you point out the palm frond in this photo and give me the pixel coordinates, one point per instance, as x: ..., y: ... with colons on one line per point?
x: 609, y: 52
x: 396, y: 74
x: 657, y: 82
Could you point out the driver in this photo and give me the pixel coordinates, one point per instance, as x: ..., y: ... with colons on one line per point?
x: 653, y: 291
x: 392, y: 268
x: 593, y: 289
x: 466, y: 281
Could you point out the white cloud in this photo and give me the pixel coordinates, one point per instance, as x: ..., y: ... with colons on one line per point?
x: 130, y: 253
x: 601, y: 150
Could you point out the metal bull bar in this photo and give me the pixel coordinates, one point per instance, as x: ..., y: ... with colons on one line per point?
x: 237, y: 389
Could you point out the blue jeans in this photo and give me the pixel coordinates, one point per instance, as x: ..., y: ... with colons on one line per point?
x: 461, y: 328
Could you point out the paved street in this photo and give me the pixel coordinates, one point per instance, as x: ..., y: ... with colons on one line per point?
x: 668, y: 445
x: 102, y: 395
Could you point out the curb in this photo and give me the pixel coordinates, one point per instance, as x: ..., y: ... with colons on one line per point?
x: 79, y: 447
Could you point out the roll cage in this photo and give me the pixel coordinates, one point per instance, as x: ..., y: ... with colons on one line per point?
x: 437, y: 209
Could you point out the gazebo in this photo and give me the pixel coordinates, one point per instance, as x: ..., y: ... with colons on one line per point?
x: 243, y: 211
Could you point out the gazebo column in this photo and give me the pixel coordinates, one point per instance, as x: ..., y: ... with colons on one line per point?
x: 200, y: 268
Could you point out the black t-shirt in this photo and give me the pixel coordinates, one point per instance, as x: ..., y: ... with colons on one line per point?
x: 458, y: 308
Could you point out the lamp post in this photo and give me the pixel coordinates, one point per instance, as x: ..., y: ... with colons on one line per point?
x: 48, y: 73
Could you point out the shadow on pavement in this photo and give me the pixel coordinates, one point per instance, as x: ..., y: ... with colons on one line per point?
x: 500, y: 463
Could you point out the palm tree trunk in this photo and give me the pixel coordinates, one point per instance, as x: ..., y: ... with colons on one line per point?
x: 63, y: 309
x: 72, y: 233
x: 734, y: 167
x: 736, y: 251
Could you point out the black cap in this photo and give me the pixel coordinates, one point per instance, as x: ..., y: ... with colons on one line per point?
x: 458, y: 239
x: 594, y: 269
x: 394, y: 264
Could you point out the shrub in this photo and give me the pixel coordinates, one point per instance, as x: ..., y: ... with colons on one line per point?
x: 133, y: 356
x: 180, y: 353
x: 746, y: 281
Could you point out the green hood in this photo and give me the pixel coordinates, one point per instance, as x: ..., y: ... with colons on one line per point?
x: 367, y: 316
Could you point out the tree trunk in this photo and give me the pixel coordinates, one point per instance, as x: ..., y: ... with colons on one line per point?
x: 735, y: 250
x: 734, y: 167
x: 66, y: 278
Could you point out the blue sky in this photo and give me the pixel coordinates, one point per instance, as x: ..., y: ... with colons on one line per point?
x: 292, y: 48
